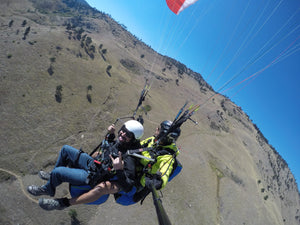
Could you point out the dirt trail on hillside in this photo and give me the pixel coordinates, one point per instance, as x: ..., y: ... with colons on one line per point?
x: 21, y: 184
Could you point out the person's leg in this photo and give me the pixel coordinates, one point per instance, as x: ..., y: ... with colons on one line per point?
x: 101, y: 190
x: 68, y: 156
x: 104, y: 188
x: 65, y: 174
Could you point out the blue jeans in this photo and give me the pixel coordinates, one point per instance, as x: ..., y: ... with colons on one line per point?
x: 75, y: 174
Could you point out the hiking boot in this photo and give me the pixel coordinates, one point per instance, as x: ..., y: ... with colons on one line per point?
x: 37, y: 190
x: 44, y: 175
x: 52, y: 204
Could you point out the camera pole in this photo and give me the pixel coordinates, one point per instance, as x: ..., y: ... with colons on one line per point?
x: 162, y: 216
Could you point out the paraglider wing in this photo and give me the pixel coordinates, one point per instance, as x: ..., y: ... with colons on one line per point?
x: 178, y: 5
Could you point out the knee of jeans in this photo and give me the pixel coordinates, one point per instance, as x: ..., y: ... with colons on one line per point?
x: 64, y: 148
x: 56, y: 172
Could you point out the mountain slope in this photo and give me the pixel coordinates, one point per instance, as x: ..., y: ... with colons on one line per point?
x: 67, y: 71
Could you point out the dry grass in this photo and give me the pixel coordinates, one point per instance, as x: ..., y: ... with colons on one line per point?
x: 222, y: 163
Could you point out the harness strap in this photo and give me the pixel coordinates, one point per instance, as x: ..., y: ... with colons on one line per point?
x: 173, y: 158
x: 141, y: 195
x: 78, y: 156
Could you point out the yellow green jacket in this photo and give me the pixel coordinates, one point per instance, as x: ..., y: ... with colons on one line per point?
x: 164, y: 161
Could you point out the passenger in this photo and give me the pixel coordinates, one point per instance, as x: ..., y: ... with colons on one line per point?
x: 115, y: 171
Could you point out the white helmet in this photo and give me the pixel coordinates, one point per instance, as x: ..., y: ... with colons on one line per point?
x: 135, y: 127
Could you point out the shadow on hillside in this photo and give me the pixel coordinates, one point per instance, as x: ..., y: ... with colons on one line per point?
x: 75, y: 221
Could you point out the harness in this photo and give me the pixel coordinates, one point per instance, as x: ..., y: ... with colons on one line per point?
x: 159, y: 151
x: 101, y: 169
x: 154, y: 153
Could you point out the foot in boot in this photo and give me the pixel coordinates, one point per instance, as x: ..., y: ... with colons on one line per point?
x: 44, y: 175
x: 52, y: 204
x: 37, y: 190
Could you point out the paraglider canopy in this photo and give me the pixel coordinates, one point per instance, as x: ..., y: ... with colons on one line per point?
x: 178, y: 5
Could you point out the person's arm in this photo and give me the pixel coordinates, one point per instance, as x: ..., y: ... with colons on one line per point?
x: 125, y: 171
x: 109, y: 138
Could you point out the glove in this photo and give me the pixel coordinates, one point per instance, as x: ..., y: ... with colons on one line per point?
x: 155, y: 180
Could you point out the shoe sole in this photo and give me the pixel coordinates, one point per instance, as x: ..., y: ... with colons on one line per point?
x: 42, y: 177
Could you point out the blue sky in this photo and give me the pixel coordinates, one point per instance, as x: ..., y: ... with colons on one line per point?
x: 247, y: 50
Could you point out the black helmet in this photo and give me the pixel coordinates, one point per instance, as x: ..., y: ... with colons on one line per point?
x: 170, y: 137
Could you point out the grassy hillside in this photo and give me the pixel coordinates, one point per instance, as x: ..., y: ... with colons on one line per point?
x: 67, y: 72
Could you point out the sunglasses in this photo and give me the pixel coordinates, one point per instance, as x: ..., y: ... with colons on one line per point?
x: 128, y: 134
